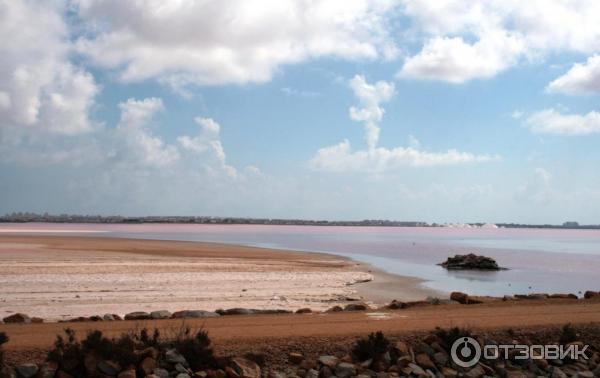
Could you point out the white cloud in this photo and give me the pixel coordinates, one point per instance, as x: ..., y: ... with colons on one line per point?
x: 370, y: 97
x: 504, y: 33
x: 581, y: 78
x: 550, y: 121
x: 141, y: 145
x: 341, y: 157
x: 216, y: 42
x: 39, y: 86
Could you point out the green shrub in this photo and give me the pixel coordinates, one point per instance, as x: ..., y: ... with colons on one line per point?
x: 3, y: 340
x: 448, y: 337
x: 568, y: 334
x: 372, y: 347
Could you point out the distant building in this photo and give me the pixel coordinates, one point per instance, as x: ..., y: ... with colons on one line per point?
x: 570, y: 224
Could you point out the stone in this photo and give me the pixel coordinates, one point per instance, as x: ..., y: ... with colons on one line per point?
x: 27, y: 370
x: 108, y: 317
x: 329, y: 361
x: 404, y: 361
x: 160, y: 314
x: 585, y: 374
x: 476, y: 372
x: 108, y: 367
x: 245, y: 368
x: 449, y: 372
x: 295, y: 358
x: 137, y: 315
x: 515, y: 374
x: 276, y: 374
x: 325, y: 372
x: 312, y: 373
x: 345, y: 370
x: 194, y: 314
x: 424, y: 361
x: 37, y: 320
x: 440, y: 358
x: 563, y: 296
x: 558, y: 373
x: 148, y: 365
x: 335, y: 309
x: 17, y: 318
x: 471, y: 262
x: 63, y: 374
x: 586, y: 295
x: 47, y: 370
x: 161, y: 373
x: 7, y: 372
x: 200, y: 374
x: 356, y: 307
x: 303, y: 311
x: 416, y: 370
x: 396, y: 305
x: 173, y: 357
x: 180, y: 368
x: 127, y: 374
x: 461, y: 298
x: 183, y: 375
x: 402, y: 347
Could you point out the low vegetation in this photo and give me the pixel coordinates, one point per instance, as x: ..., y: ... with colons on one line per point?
x: 372, y: 347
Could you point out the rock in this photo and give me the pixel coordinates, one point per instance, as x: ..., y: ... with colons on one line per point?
x: 461, y: 298
x: 424, y: 361
x: 137, y: 315
x: 335, y: 309
x: 515, y: 374
x: 108, y: 367
x: 303, y: 311
x: 37, y: 320
x: 183, y: 375
x: 200, y: 374
x: 17, y: 318
x: 245, y: 368
x: 585, y: 374
x: 440, y: 358
x: 27, y: 370
x: 173, y: 357
x: 356, y: 307
x: 534, y: 296
x: 586, y: 295
x: 160, y: 314
x: 470, y: 261
x: 476, y: 372
x: 396, y: 305
x: 416, y: 370
x: 108, y: 317
x: 47, y: 370
x: 180, y: 368
x: 194, y: 314
x: 161, y: 373
x: 558, y: 373
x: 345, y: 370
x: 249, y: 311
x: 148, y: 365
x: 276, y: 374
x: 295, y: 358
x: 563, y: 296
x: 127, y: 374
x: 329, y: 361
x: 7, y: 372
x: 312, y: 373
x: 63, y: 374
x: 404, y: 361
x: 449, y: 372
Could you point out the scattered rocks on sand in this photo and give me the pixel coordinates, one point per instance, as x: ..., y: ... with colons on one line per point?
x: 470, y: 261
x: 356, y: 307
x: 194, y: 314
x: 137, y: 315
x: 17, y: 318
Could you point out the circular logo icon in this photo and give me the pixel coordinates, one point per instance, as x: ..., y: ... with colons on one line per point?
x: 465, y: 352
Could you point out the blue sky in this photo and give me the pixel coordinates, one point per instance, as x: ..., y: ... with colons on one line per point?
x: 441, y: 111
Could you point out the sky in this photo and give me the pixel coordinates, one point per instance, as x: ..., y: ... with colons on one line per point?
x: 428, y: 110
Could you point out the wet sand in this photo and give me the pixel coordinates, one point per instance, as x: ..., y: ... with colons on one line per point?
x: 61, y: 277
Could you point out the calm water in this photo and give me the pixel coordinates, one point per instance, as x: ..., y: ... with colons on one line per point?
x: 538, y: 260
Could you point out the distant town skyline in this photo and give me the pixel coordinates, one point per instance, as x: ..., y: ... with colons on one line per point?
x: 435, y: 111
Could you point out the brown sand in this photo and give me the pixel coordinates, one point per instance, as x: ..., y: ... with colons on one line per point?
x: 61, y: 277
x: 261, y: 328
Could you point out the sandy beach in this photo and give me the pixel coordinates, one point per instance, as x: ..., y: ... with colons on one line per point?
x: 62, y: 277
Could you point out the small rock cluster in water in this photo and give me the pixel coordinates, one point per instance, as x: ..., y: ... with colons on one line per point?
x: 471, y: 261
